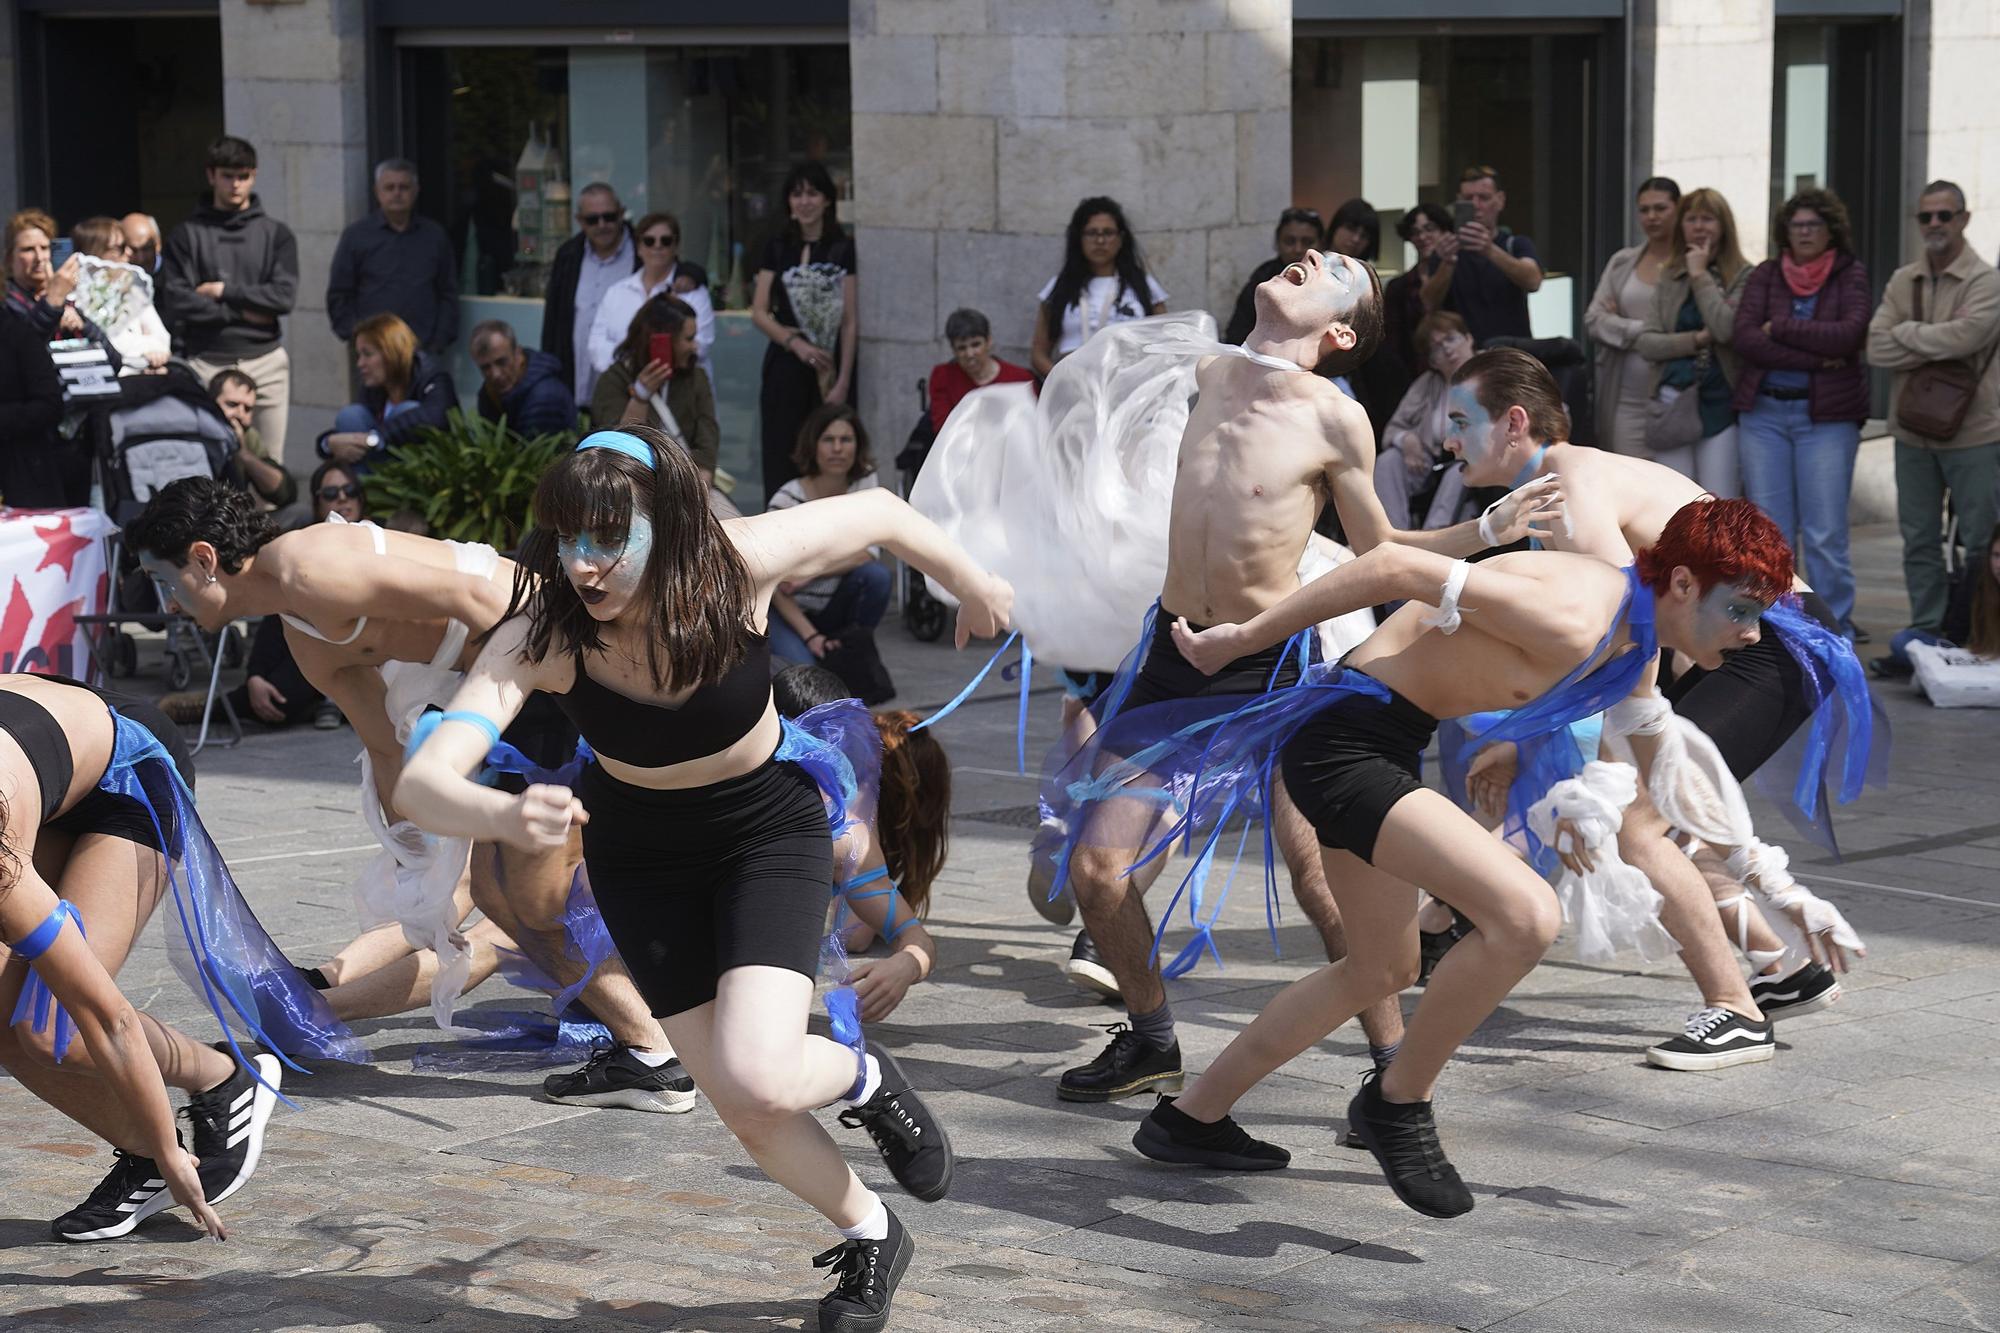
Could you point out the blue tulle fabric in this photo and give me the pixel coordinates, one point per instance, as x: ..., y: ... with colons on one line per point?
x: 216, y: 942
x: 1845, y: 746
x: 35, y: 1003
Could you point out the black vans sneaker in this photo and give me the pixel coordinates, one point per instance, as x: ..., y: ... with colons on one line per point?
x: 866, y: 1273
x: 1715, y: 1039
x: 229, y: 1122
x: 1170, y: 1134
x: 133, y: 1192
x: 1129, y: 1064
x: 1086, y: 969
x: 1806, y: 991
x: 1403, y: 1136
x: 912, y: 1142
x: 614, y: 1076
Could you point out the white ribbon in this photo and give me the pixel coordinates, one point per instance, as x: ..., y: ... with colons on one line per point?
x: 1614, y: 908
x: 1446, y: 618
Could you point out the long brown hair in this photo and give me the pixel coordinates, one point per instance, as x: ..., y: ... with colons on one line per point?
x: 696, y: 588
x: 1985, y: 635
x: 913, y: 814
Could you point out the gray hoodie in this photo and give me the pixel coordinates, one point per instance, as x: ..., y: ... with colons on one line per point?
x: 257, y: 261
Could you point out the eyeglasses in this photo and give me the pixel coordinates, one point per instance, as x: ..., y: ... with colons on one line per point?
x: 1101, y: 234
x: 599, y: 219
x: 1940, y: 216
x: 351, y: 491
x: 1806, y: 226
x: 660, y: 242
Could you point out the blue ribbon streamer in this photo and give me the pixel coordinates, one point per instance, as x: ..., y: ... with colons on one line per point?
x: 36, y: 1000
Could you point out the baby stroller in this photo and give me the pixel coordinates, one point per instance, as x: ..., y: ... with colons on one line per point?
x: 924, y: 616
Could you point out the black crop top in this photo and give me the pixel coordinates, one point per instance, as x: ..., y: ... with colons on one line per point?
x: 649, y: 735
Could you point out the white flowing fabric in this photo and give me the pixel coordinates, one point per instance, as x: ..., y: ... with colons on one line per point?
x: 1068, y: 497
x: 1613, y: 909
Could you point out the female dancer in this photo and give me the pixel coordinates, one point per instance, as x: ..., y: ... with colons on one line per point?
x: 706, y: 841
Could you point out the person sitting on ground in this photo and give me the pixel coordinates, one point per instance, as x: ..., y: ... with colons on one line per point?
x: 1407, y: 474
x: 139, y: 335
x: 404, y: 390
x: 972, y: 365
x: 671, y: 392
x: 519, y: 383
x: 251, y: 468
x: 1971, y: 615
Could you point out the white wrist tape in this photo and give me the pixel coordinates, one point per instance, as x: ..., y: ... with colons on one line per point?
x: 1486, y: 533
x: 1446, y: 618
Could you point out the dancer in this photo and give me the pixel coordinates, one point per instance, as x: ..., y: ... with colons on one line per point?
x: 355, y: 600
x: 1507, y: 427
x: 118, y: 833
x: 1553, y: 636
x: 706, y: 841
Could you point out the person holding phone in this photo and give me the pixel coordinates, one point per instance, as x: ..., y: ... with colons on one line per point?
x: 659, y: 240
x: 655, y: 379
x: 1484, y: 271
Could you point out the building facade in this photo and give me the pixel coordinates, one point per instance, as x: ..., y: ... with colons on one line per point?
x: 962, y: 132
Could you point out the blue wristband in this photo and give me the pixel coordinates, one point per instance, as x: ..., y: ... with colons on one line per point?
x: 37, y: 941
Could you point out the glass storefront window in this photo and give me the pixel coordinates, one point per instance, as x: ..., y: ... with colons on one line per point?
x: 1800, y: 107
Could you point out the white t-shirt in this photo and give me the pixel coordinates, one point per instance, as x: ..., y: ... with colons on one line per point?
x: 814, y: 594
x: 1097, y: 308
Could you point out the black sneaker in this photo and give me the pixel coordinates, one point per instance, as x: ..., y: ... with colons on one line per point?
x: 1715, y: 1039
x: 133, y: 1192
x: 1170, y: 1134
x: 1129, y: 1064
x: 912, y: 1142
x: 229, y: 1122
x: 1806, y: 991
x: 1891, y: 667
x: 867, y: 1273
x: 1403, y: 1136
x: 1433, y: 945
x: 1087, y: 970
x: 614, y: 1076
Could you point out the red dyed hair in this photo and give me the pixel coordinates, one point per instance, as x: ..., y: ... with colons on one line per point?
x: 1721, y: 541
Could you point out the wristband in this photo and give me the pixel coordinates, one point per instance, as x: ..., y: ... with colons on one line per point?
x: 1446, y: 618
x: 816, y: 634
x: 638, y: 391
x: 1486, y: 533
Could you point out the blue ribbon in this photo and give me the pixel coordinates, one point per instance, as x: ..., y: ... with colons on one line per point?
x: 36, y: 1000
x: 1843, y: 710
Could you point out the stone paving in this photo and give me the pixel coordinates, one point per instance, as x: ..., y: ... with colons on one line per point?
x: 1853, y: 1183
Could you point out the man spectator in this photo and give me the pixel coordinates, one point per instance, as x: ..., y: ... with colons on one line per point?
x: 142, y: 236
x: 395, y: 262
x: 519, y: 383
x: 1485, y: 271
x: 226, y: 275
x: 972, y: 365
x: 586, y: 266
x: 252, y: 469
x: 1943, y: 308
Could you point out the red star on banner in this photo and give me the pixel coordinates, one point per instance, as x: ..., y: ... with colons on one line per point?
x: 64, y: 545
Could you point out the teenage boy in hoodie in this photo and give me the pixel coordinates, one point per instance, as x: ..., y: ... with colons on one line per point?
x: 226, y: 276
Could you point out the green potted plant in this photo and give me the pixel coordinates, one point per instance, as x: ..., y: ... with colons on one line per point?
x: 473, y: 481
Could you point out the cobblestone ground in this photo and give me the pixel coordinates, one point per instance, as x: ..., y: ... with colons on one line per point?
x: 1853, y: 1183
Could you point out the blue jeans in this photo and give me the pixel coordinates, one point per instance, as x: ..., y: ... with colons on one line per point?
x: 1905, y: 637
x: 357, y: 417
x: 858, y: 603
x: 1799, y: 471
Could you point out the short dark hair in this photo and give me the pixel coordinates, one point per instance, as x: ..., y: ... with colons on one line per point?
x: 1508, y: 377
x: 1935, y: 187
x: 201, y: 509
x: 1437, y: 213
x: 1367, y: 325
x: 1297, y: 216
x: 230, y: 153
x: 965, y: 322
x: 805, y: 686
x: 229, y: 375
x: 491, y: 328
x: 805, y: 454
x: 1360, y: 214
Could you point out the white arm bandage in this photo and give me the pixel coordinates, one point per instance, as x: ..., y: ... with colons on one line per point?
x: 1767, y: 869
x: 1446, y: 618
x: 1613, y: 909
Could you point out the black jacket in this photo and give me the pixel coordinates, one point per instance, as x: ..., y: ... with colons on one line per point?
x: 36, y: 468
x: 257, y: 260
x: 540, y: 403
x: 411, y: 274
x: 433, y: 393
x: 559, y: 307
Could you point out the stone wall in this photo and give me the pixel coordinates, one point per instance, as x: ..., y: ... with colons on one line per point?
x: 1953, y: 51
x: 979, y: 124
x: 1701, y: 103
x: 295, y: 85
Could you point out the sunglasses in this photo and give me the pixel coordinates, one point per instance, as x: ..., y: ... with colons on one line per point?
x: 599, y: 219
x: 1942, y: 215
x: 351, y: 491
x: 659, y: 242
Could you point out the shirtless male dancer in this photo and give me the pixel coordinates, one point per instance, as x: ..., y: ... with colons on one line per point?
x: 1519, y: 631
x: 1264, y: 450
x: 355, y: 597
x: 1507, y: 426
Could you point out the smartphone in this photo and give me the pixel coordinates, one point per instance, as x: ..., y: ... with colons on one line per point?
x: 60, y: 249
x: 661, y: 348
x: 1463, y: 212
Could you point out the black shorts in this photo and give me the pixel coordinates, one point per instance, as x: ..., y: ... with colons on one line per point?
x: 694, y: 882
x: 125, y: 817
x: 1751, y: 704
x: 1165, y: 675
x: 1347, y: 767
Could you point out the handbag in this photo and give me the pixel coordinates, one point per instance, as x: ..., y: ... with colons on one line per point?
x: 1937, y: 395
x: 1673, y: 418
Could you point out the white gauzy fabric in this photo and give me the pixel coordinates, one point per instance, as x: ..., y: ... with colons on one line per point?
x: 1613, y: 909
x: 1343, y: 633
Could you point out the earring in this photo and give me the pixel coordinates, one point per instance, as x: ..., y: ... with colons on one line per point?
x: 211, y: 578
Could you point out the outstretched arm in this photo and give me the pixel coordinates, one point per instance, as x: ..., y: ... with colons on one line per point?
x: 1530, y: 511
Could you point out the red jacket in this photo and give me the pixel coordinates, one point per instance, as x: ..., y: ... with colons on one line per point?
x: 1837, y: 331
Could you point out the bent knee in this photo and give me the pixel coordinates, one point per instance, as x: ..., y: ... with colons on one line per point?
x: 746, y: 1097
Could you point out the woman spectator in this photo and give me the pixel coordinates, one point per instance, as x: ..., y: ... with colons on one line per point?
x: 1402, y: 297
x: 1617, y: 316
x: 1803, y: 394
x: 1299, y: 230
x: 674, y: 395
x: 1690, y: 337
x: 1355, y: 229
x: 403, y: 390
x: 972, y: 365
x: 31, y: 475
x: 43, y: 295
x: 1413, y: 489
x: 660, y: 273
x: 44, y: 469
x: 806, y: 303
x: 141, y: 339
x: 1103, y: 281
x: 837, y: 612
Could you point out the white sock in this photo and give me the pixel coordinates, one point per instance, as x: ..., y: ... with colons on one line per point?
x: 650, y: 1059
x: 870, y: 1085
x: 875, y: 1226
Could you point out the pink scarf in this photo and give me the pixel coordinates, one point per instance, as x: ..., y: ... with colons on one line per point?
x: 1806, y: 279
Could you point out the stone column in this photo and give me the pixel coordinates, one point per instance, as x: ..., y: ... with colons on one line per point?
x: 295, y: 85
x: 979, y: 124
x: 1701, y: 103
x: 1953, y: 121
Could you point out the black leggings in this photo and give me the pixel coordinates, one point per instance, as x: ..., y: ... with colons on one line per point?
x: 1751, y: 704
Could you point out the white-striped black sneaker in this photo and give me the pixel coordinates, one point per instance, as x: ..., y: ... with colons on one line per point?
x: 615, y: 1077
x: 133, y: 1192
x: 1806, y: 991
x: 1715, y: 1039
x: 229, y: 1125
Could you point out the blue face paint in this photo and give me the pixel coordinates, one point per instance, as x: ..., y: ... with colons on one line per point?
x: 615, y: 566
x: 1470, y: 429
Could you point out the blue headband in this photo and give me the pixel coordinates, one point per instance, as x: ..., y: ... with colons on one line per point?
x: 619, y: 442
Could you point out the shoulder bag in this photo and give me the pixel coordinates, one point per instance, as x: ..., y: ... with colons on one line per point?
x: 1938, y: 394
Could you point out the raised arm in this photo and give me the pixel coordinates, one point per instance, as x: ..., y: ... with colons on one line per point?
x: 1529, y: 511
